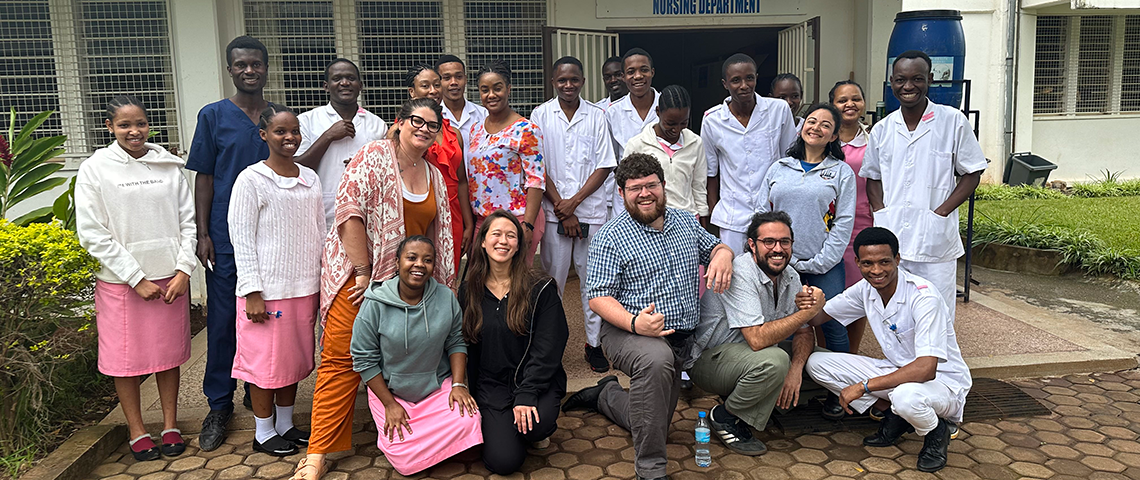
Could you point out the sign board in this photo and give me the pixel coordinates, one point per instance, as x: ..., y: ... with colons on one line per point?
x: 692, y: 8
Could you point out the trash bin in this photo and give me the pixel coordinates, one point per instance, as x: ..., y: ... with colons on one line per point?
x: 1027, y: 169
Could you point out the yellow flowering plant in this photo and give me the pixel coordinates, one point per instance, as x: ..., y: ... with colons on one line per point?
x: 46, y: 287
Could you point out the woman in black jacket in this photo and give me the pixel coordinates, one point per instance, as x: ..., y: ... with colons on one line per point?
x: 516, y: 330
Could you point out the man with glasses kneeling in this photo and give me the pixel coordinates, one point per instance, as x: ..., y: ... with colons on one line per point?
x: 740, y: 344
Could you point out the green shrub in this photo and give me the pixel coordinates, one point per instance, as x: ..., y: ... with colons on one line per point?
x: 1002, y: 191
x: 47, y: 340
x: 1107, y: 188
x: 1079, y: 248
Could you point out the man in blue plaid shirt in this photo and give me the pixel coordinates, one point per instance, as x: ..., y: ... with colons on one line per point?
x: 642, y: 280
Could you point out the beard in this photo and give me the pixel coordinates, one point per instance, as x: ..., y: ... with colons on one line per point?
x: 762, y: 262
x: 646, y: 218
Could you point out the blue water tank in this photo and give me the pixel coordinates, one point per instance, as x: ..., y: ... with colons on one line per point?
x: 939, y: 34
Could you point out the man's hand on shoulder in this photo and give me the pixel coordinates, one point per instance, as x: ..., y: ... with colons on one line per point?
x: 718, y: 276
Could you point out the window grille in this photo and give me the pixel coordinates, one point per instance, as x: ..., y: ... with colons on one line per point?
x: 1094, y: 60
x: 510, y: 30
x: 1087, y: 65
x: 1049, y: 66
x: 27, y: 65
x: 301, y: 40
x: 125, y: 49
x: 1130, y: 66
x: 395, y: 35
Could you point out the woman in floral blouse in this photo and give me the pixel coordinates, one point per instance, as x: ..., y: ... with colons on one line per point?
x: 504, y: 160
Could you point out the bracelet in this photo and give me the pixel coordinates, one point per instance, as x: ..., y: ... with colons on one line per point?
x: 362, y: 270
x: 457, y: 384
x: 528, y: 225
x: 632, y: 326
x: 866, y: 389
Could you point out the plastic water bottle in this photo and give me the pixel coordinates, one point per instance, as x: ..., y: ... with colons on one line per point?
x: 703, y: 431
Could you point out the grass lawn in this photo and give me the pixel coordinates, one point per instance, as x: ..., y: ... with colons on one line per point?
x: 1115, y: 220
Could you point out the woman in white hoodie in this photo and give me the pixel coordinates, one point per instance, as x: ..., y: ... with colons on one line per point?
x: 679, y: 151
x: 142, y: 310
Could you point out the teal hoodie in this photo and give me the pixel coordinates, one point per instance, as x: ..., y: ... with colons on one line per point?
x: 408, y: 344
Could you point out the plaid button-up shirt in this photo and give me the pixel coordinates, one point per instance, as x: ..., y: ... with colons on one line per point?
x: 637, y: 265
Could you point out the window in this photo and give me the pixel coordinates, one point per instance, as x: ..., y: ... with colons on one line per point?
x: 73, y: 56
x: 1087, y: 65
x: 395, y: 35
x: 301, y: 41
x: 512, y: 31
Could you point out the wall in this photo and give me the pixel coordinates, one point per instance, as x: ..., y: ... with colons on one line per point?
x: 1085, y: 147
x: 837, y: 25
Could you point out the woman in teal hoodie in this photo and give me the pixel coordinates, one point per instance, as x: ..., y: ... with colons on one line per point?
x: 407, y: 345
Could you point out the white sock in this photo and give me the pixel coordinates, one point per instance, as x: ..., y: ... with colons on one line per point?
x: 284, y: 419
x: 264, y: 429
x: 684, y: 375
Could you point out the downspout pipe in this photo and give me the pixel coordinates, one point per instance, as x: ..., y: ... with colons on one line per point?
x: 1013, y: 13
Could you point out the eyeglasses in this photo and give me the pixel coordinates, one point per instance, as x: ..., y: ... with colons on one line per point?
x: 419, y: 122
x: 771, y: 242
x: 636, y: 189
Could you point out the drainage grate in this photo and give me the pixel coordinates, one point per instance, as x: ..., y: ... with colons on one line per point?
x: 988, y: 398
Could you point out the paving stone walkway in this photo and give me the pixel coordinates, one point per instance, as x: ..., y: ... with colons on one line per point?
x: 1091, y: 435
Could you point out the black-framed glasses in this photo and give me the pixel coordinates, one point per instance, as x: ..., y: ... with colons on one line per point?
x: 419, y: 122
x: 771, y: 242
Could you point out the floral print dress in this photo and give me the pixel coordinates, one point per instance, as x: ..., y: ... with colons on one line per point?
x: 502, y: 166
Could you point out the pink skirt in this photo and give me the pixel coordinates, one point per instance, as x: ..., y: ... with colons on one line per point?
x: 440, y: 432
x: 137, y: 337
x: 279, y: 352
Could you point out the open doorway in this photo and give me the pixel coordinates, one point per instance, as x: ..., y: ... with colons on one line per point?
x: 692, y: 58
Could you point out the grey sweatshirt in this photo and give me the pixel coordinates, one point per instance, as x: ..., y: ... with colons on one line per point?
x: 822, y: 206
x: 408, y: 344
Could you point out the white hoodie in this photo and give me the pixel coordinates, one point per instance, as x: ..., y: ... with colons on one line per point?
x: 136, y: 216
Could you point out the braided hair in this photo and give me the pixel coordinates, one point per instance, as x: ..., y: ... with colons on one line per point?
x: 415, y: 71
x: 498, y: 67
x: 673, y: 96
x: 121, y: 101
x: 271, y: 110
x: 787, y: 76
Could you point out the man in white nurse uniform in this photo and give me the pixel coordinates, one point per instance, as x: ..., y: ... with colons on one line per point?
x: 331, y: 135
x: 742, y: 137
x: 630, y: 114
x: 579, y: 156
x: 910, y: 164
x: 922, y: 384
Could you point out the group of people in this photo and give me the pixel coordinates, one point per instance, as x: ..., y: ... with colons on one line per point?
x: 335, y: 217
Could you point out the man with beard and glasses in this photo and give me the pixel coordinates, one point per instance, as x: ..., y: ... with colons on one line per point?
x: 740, y: 347
x: 642, y: 280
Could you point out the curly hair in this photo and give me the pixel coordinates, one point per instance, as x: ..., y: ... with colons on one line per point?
x: 637, y: 165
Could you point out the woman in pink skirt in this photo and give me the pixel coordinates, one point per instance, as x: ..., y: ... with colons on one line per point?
x: 407, y: 345
x: 142, y: 311
x: 277, y: 227
x: 847, y: 96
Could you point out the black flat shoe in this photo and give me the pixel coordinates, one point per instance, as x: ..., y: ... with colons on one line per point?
x: 145, y: 453
x: 932, y: 457
x: 587, y: 398
x: 832, y: 410
x: 276, y: 446
x: 172, y: 443
x: 297, y: 437
x: 891, y: 429
x: 214, y: 429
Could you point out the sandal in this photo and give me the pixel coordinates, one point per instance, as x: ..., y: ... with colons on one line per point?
x: 172, y: 443
x: 300, y: 473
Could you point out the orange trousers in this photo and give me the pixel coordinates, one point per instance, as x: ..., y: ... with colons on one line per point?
x: 334, y: 398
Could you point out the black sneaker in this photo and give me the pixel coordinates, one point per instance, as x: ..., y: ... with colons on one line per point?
x: 276, y: 446
x: 891, y: 429
x: 597, y: 359
x: 932, y: 457
x: 737, y: 437
x: 587, y: 398
x: 214, y: 429
x: 832, y: 410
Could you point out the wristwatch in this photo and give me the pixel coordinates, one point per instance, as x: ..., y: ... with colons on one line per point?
x: 632, y: 326
x: 528, y: 225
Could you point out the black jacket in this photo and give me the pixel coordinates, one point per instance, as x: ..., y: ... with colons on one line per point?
x: 507, y: 370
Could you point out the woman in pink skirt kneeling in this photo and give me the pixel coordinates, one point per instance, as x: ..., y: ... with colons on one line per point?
x: 407, y: 344
x: 277, y: 227
x: 142, y: 311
